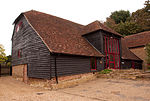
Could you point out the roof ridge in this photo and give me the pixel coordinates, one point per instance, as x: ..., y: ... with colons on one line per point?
x: 137, y: 34
x: 54, y: 16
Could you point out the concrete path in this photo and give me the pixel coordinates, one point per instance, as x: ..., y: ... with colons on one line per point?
x: 97, y: 90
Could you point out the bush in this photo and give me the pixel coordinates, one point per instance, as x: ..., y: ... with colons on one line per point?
x: 105, y: 71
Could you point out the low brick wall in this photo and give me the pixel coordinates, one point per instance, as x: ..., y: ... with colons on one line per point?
x: 17, y: 71
x: 20, y: 72
x: 63, y: 82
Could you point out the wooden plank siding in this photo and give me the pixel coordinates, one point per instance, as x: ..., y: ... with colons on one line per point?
x: 33, y: 51
x: 41, y: 63
x: 127, y: 64
x: 70, y: 65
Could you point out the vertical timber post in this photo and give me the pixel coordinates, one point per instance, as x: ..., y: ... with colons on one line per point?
x: 50, y: 70
x: 56, y: 71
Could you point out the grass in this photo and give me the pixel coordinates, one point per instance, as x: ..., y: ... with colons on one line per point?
x: 105, y: 71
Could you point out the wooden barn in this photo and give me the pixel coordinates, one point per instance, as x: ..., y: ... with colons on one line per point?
x: 46, y: 46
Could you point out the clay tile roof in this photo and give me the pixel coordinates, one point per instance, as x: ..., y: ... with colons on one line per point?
x: 96, y: 25
x: 139, y: 39
x: 60, y: 35
x: 126, y: 53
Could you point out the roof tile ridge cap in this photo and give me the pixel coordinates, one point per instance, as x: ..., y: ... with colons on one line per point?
x: 98, y: 23
x: 104, y: 26
x: 37, y: 32
x: 140, y: 33
x: 113, y: 31
x: 56, y: 17
x: 132, y: 35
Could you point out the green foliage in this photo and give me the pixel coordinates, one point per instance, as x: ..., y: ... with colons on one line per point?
x: 142, y: 17
x: 105, y: 71
x: 127, y: 28
x: 8, y: 61
x: 120, y: 16
x: 3, y: 57
x: 148, y: 54
x: 126, y: 24
x: 110, y: 23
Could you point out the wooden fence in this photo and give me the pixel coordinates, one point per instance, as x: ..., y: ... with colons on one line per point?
x: 5, y: 70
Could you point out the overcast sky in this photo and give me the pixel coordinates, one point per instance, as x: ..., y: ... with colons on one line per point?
x: 79, y: 11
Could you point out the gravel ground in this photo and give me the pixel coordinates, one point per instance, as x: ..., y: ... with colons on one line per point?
x: 96, y: 90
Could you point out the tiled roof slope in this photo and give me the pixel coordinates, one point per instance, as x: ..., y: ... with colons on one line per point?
x: 60, y: 35
x: 96, y: 25
x: 139, y: 39
x: 126, y: 53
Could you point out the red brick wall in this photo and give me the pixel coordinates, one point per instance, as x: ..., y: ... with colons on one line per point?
x: 20, y: 71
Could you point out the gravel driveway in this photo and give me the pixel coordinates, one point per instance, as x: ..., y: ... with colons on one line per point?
x: 96, y: 90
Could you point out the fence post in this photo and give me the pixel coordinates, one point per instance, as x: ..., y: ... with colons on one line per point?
x: 10, y: 71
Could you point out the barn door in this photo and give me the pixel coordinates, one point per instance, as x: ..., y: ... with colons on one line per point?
x: 112, y: 53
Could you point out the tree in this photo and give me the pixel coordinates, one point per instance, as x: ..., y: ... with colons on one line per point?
x: 148, y: 54
x: 110, y: 23
x: 127, y: 28
x: 3, y: 57
x: 126, y: 24
x: 8, y: 61
x: 120, y: 22
x: 120, y: 16
x: 142, y: 17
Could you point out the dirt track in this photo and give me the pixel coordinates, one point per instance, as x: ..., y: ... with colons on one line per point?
x: 97, y: 90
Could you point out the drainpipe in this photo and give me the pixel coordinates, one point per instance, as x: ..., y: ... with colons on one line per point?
x: 56, y: 71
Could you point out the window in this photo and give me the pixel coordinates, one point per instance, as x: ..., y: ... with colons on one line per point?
x: 93, y: 63
x: 19, y: 53
x: 19, y: 26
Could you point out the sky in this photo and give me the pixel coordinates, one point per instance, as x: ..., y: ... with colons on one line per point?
x: 79, y: 11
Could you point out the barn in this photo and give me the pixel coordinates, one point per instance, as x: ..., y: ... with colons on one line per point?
x: 46, y: 46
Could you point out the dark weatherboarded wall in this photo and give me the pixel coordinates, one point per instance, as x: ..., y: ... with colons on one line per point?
x: 127, y: 64
x: 68, y: 65
x: 33, y: 51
